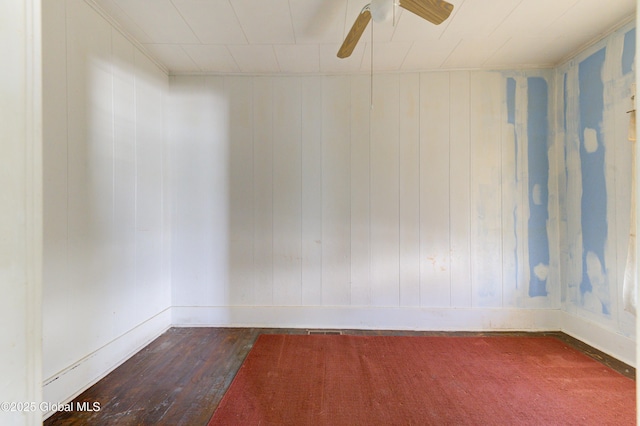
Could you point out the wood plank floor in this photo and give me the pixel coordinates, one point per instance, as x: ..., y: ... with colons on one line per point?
x: 179, y: 378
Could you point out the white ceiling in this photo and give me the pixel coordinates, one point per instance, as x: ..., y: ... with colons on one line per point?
x: 303, y: 36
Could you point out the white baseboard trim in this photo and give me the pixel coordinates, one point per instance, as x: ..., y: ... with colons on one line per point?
x: 65, y: 385
x: 593, y: 334
x: 364, y: 318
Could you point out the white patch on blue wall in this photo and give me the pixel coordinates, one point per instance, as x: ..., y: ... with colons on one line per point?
x: 594, y: 270
x: 537, y: 195
x: 590, y: 140
x: 598, y: 299
x: 538, y: 135
x: 542, y: 271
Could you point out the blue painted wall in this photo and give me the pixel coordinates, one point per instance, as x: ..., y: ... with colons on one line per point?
x: 537, y: 133
x: 629, y: 52
x: 511, y: 119
x: 538, y: 167
x: 594, y: 95
x: 594, y: 191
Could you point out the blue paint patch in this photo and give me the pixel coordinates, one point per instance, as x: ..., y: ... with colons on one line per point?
x: 511, y: 115
x: 629, y: 51
x: 538, y: 161
x: 511, y: 101
x: 594, y: 190
x: 511, y: 119
x: 565, y: 104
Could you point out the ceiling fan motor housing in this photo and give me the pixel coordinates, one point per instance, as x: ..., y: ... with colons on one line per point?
x: 381, y: 10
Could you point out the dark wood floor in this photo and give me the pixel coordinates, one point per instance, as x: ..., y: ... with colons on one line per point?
x: 180, y: 378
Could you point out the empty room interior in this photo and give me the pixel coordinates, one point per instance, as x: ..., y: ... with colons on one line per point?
x: 213, y: 165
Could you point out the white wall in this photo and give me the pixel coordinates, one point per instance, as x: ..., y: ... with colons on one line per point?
x: 445, y: 206
x: 20, y: 211
x: 297, y: 204
x: 595, y: 188
x: 293, y: 203
x: 106, y: 276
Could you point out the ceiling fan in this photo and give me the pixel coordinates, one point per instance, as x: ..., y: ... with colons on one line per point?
x: 434, y: 11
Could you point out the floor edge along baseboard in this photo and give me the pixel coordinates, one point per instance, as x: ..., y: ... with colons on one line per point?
x: 67, y: 384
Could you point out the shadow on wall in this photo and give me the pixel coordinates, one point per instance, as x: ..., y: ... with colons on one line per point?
x: 199, y: 154
x: 106, y: 267
x: 292, y: 192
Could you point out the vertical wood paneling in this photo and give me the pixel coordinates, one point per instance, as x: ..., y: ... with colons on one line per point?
x: 286, y: 191
x: 486, y: 209
x: 189, y: 231
x: 263, y: 190
x: 511, y: 197
x: 21, y: 217
x: 124, y: 126
x: 410, y: 206
x: 410, y: 190
x: 241, y: 195
x: 522, y: 198
x: 311, y: 165
x: 56, y: 286
x: 538, y: 185
x: 149, y: 141
x: 200, y: 212
x: 573, y: 193
x: 194, y: 183
x: 104, y: 184
x: 336, y: 193
x: 360, y: 190
x: 593, y: 176
x: 165, y: 237
x: 90, y: 171
x: 219, y: 121
x: 562, y: 181
x: 611, y: 73
x: 385, y: 192
x: 554, y: 281
x: 416, y: 211
x: 459, y: 202
x: 623, y: 175
x: 434, y: 190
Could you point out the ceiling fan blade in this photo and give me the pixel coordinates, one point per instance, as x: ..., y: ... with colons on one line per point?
x: 434, y: 11
x: 355, y: 33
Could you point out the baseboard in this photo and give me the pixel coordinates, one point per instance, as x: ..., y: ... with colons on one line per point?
x: 65, y: 385
x: 441, y: 319
x: 593, y: 334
